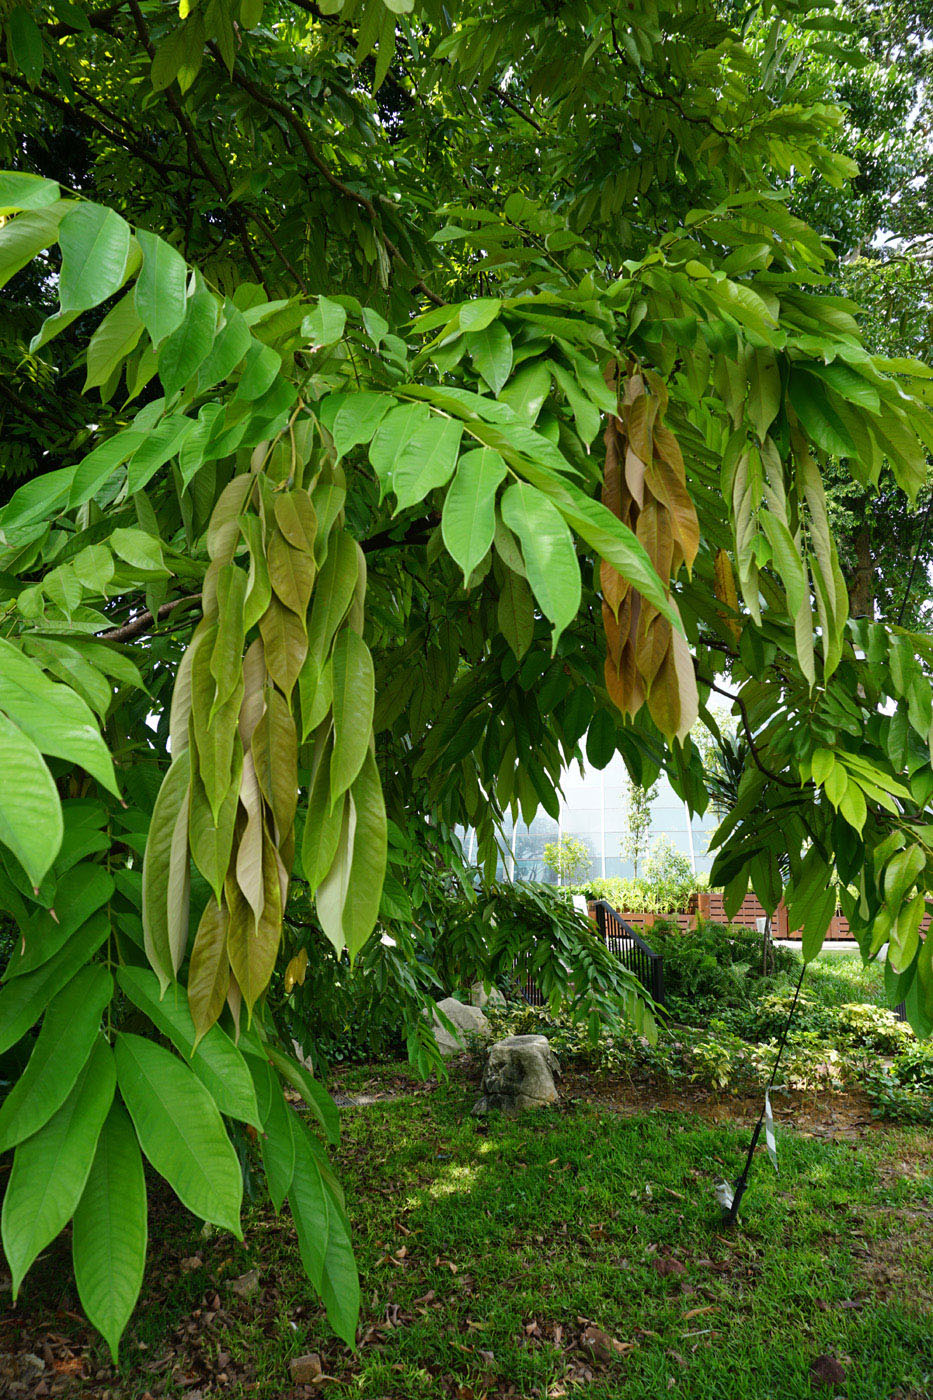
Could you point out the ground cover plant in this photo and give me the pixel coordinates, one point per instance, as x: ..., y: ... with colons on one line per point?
x: 578, y: 1251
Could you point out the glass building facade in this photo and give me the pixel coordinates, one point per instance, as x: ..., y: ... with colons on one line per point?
x: 593, y: 809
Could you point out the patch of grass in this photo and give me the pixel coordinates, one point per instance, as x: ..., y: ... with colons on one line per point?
x: 836, y: 979
x: 488, y: 1249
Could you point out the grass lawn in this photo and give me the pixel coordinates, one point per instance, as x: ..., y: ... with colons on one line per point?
x: 489, y: 1253
x: 837, y: 978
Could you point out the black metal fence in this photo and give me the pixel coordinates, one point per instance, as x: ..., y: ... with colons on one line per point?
x: 620, y: 938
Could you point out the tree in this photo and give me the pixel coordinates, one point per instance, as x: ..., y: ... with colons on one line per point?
x: 569, y: 858
x: 414, y: 403
x: 638, y: 804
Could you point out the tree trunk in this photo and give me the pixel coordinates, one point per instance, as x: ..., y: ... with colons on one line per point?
x: 862, y: 582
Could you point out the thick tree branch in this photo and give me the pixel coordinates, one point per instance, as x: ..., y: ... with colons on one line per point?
x: 143, y: 621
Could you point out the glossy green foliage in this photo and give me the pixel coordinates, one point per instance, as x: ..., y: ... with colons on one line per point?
x: 428, y: 360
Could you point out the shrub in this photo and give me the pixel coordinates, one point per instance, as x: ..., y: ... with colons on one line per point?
x: 716, y: 966
x: 854, y: 1026
x: 903, y: 1089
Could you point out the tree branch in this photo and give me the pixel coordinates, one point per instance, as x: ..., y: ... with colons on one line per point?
x: 737, y: 700
x: 265, y: 99
x: 143, y: 621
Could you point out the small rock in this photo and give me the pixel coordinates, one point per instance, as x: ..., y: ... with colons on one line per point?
x: 826, y: 1370
x: 307, y: 1369
x: 192, y: 1262
x: 246, y: 1285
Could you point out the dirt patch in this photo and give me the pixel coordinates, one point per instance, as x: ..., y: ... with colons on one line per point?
x: 837, y: 1116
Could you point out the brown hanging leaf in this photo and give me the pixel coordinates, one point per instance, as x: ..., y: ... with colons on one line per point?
x: 285, y: 642
x: 296, y: 518
x: 291, y: 573
x: 209, y: 970
x: 275, y: 755
x: 724, y: 585
x: 212, y: 842
x: 224, y: 530
x: 253, y: 703
x: 249, y: 852
x: 157, y: 864
x: 252, y: 945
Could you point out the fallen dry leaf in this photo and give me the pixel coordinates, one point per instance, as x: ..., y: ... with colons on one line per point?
x: 602, y: 1345
x: 666, y: 1267
x: 826, y: 1370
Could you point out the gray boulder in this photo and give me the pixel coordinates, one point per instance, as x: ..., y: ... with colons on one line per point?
x: 480, y: 997
x: 519, y: 1074
x: 467, y: 1020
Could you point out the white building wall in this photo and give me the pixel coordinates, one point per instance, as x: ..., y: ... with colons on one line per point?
x: 593, y: 809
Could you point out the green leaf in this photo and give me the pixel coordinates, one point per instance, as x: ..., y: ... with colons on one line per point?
x: 216, y: 1061
x: 547, y: 546
x: 157, y: 863
x: 95, y: 244
x: 179, y: 55
x: 491, y: 352
x: 605, y: 533
x: 516, y: 614
x: 30, y: 812
x: 69, y: 1031
x: 476, y: 315
x: 230, y: 345
x: 51, y: 1167
x: 26, y: 43
x: 115, y: 338
x: 357, y: 418
x: 163, y: 442
x: 323, y: 1240
x: 53, y: 716
x: 314, y: 1094
x: 468, y: 523
x: 161, y: 288
x: 787, y: 560
x: 813, y: 405
x: 21, y: 190
x: 321, y: 834
x: 332, y: 595
x: 138, y: 548
x: 354, y: 698
x: 183, y: 353
x: 526, y: 391
x: 78, y: 894
x: 110, y: 1234
x: 276, y: 1143
x: 326, y: 323
x: 180, y: 1130
x: 414, y: 451
x: 22, y: 238
x: 95, y: 470
x: 23, y: 999
x: 367, y: 871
